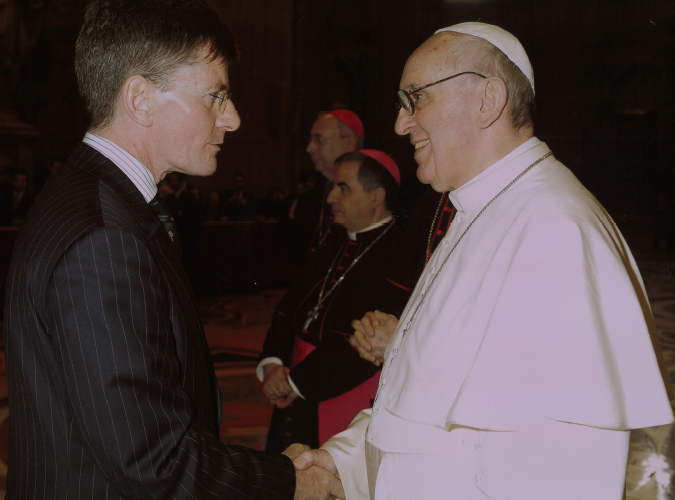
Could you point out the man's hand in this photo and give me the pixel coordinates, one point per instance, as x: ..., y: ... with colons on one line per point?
x: 285, y: 401
x: 316, y: 483
x: 321, y: 460
x: 295, y: 450
x: 372, y: 334
x: 275, y: 385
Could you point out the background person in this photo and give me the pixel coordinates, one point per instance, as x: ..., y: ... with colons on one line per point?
x: 308, y: 369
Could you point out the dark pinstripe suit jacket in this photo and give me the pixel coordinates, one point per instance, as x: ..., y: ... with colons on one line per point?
x: 112, y: 392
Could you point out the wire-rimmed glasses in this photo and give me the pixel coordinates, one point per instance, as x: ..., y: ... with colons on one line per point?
x: 407, y: 103
x: 221, y: 97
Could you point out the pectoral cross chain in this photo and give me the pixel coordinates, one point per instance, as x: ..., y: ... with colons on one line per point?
x: 311, y: 316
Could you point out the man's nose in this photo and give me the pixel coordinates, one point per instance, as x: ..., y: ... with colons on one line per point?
x: 311, y: 147
x: 331, y: 196
x: 229, y: 118
x: 404, y: 122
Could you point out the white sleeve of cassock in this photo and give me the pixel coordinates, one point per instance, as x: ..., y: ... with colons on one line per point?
x: 348, y: 450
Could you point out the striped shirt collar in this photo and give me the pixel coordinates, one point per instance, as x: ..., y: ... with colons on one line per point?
x: 133, y: 169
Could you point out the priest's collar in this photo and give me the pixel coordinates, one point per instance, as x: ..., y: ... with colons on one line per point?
x: 481, y: 189
x: 386, y: 220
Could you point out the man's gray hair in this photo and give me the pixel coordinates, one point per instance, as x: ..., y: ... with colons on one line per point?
x: 479, y: 55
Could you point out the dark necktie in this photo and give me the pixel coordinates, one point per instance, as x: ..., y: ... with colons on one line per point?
x: 161, y: 208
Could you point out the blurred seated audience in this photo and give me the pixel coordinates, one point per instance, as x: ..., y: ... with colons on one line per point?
x: 237, y: 204
x: 15, y: 198
x: 211, y: 208
x: 274, y: 208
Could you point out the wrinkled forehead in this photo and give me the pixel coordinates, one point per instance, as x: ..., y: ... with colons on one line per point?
x: 434, y: 57
x: 324, y: 125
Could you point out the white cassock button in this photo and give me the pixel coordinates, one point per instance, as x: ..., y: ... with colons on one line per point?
x: 384, y: 380
x: 432, y: 271
x: 446, y: 242
x: 376, y: 408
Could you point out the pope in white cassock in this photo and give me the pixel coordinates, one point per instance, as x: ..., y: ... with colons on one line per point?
x: 524, y: 355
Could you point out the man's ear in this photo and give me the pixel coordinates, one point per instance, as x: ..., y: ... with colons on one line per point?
x: 494, y: 96
x: 138, y: 99
x: 350, y: 142
x: 377, y: 197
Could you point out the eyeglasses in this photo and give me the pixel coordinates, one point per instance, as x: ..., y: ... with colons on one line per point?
x: 407, y: 103
x: 221, y: 97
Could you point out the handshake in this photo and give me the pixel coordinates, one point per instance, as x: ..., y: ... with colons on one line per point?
x: 316, y: 476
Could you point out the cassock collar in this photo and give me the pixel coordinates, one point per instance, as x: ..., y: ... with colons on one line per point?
x: 476, y: 193
x: 379, y: 224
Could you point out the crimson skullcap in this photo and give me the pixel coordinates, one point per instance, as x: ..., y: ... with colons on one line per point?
x: 350, y: 119
x: 386, y: 161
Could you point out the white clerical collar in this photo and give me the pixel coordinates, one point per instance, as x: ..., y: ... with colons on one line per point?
x: 386, y: 220
x: 134, y: 169
x: 481, y: 189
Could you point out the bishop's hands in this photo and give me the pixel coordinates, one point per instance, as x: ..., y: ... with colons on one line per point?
x: 316, y: 473
x: 276, y: 387
x: 372, y: 334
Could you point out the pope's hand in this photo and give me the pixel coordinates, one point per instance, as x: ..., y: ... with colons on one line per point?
x: 372, y: 334
x: 275, y: 384
x: 320, y: 460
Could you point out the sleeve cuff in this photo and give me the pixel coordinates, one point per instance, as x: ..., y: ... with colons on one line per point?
x: 260, y: 373
x: 294, y: 387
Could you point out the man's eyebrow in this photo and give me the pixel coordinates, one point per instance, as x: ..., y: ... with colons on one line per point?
x: 220, y: 88
x: 343, y: 184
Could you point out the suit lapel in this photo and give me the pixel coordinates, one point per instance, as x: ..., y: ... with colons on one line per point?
x: 159, y: 242
x: 89, y: 160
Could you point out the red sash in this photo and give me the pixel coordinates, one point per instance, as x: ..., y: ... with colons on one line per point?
x: 336, y: 414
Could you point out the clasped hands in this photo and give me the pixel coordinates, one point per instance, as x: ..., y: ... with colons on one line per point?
x: 372, y: 334
x: 316, y: 475
x: 276, y: 387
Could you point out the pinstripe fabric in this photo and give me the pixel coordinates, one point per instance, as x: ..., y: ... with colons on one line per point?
x: 111, y: 386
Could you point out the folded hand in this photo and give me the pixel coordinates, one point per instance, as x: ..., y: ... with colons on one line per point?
x: 372, y: 334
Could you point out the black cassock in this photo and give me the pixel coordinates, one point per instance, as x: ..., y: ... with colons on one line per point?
x: 382, y: 279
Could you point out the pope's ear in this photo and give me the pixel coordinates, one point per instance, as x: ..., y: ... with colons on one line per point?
x: 494, y: 96
x: 138, y: 99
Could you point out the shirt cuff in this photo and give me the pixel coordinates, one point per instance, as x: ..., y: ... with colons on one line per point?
x: 260, y: 372
x: 294, y: 387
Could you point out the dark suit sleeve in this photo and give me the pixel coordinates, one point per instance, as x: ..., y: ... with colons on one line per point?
x: 109, y: 318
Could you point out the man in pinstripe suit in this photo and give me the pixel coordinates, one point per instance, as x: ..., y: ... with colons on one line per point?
x: 111, y: 386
